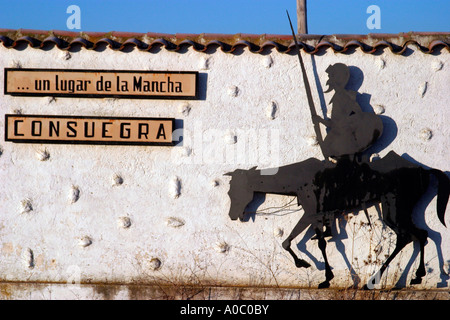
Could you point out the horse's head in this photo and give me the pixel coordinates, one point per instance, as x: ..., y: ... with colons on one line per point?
x: 239, y: 192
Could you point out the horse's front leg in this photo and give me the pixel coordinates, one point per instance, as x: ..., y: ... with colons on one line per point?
x: 304, y: 222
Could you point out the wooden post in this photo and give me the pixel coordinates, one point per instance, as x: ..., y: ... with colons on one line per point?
x: 302, y: 27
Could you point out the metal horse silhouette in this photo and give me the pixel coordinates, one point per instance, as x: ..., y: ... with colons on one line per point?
x: 327, y: 189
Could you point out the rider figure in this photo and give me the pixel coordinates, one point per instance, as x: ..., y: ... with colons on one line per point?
x: 350, y: 130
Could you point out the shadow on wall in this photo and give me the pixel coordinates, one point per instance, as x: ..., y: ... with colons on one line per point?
x: 399, y: 188
x: 389, y: 134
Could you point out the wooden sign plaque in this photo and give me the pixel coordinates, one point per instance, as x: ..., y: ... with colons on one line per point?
x: 88, y: 130
x: 102, y: 83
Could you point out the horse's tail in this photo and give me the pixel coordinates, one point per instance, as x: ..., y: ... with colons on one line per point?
x: 442, y: 193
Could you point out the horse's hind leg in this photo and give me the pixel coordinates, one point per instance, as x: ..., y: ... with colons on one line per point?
x: 392, y: 216
x: 402, y: 241
x: 421, y: 236
x: 322, y: 246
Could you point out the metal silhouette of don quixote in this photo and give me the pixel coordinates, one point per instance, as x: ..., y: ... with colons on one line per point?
x: 345, y: 181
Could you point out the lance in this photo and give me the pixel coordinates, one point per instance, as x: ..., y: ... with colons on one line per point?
x: 312, y: 108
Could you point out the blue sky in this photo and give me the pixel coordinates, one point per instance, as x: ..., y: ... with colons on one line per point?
x: 226, y: 16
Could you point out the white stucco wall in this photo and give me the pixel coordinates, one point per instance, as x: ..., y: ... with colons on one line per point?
x: 134, y: 214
